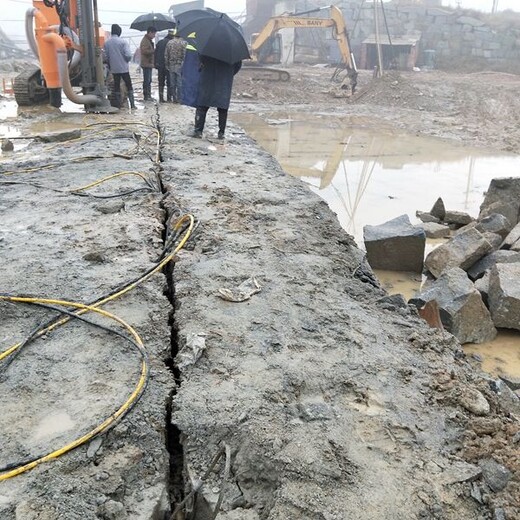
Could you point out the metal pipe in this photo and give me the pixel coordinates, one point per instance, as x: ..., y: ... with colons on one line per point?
x: 29, y: 30
x: 80, y: 99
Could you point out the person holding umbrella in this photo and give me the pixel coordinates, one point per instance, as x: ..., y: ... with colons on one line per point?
x: 221, y: 47
x: 147, y: 61
x: 215, y: 85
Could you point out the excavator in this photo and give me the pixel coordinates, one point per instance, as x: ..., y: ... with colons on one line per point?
x: 266, y: 45
x: 66, y: 38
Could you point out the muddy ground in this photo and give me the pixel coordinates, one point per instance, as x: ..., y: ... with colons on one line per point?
x: 332, y: 401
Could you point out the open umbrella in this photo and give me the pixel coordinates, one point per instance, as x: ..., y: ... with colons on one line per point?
x: 218, y: 36
x: 160, y: 21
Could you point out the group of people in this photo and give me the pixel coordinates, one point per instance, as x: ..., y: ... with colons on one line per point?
x: 191, y: 79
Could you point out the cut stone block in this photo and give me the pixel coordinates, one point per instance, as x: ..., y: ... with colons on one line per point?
x: 503, y: 196
x: 482, y: 286
x: 438, y: 210
x: 462, y: 310
x: 458, y: 217
x: 433, y: 230
x: 511, y: 238
x: 494, y: 239
x: 495, y: 223
x: 502, y: 256
x: 395, y: 245
x: 423, y: 216
x: 504, y: 295
x: 461, y: 251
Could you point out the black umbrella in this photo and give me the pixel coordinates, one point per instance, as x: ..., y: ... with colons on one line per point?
x: 160, y: 21
x: 217, y: 35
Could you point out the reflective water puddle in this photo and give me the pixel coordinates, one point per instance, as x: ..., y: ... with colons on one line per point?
x: 369, y: 173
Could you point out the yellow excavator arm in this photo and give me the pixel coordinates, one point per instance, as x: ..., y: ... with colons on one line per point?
x: 298, y: 21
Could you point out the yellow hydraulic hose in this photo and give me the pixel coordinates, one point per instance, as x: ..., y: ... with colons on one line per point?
x: 81, y: 309
x: 134, y: 396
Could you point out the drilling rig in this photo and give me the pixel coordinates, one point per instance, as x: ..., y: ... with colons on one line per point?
x: 66, y: 38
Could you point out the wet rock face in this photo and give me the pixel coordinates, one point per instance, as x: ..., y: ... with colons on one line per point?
x: 495, y: 223
x: 503, y: 197
x: 495, y: 475
x: 512, y: 240
x: 504, y: 295
x: 462, y: 310
x: 462, y: 251
x: 395, y: 245
x: 478, y: 269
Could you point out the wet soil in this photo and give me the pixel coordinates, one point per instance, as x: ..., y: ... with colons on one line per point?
x: 333, y: 402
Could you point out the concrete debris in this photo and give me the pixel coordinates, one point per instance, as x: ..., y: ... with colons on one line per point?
x: 482, y: 286
x: 438, y: 210
x: 503, y: 196
x: 493, y: 238
x: 457, y: 218
x: 478, y: 269
x: 508, y: 400
x: 474, y: 401
x: 109, y: 208
x: 433, y: 230
x: 94, y: 446
x: 460, y: 471
x: 495, y: 223
x: 395, y: 245
x: 461, y: 251
x: 511, y: 381
x: 462, y: 310
x: 512, y: 238
x: 59, y: 137
x: 241, y: 293
x: 192, y: 350
x: 495, y: 475
x: 504, y: 295
x: 425, y: 217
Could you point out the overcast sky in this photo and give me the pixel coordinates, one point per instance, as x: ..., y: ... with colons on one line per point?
x: 13, y: 11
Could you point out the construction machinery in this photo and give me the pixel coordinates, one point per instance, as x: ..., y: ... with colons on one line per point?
x: 266, y: 46
x: 66, y: 38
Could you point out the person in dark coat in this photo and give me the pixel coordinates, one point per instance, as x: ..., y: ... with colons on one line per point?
x: 215, y: 85
x: 160, y: 64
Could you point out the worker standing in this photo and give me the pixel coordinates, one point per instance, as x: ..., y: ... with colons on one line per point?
x: 118, y: 55
x: 215, y: 85
x: 163, y: 75
x: 174, y: 57
x: 147, y: 55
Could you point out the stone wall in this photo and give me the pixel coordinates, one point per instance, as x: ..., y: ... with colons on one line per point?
x: 461, y: 39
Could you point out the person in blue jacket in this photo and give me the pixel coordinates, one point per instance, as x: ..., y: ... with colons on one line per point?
x: 215, y: 85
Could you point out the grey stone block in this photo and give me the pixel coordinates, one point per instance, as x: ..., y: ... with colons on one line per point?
x: 457, y: 217
x: 438, y: 209
x: 503, y: 196
x: 462, y: 310
x: 504, y: 295
x: 511, y: 238
x: 495, y: 223
x: 495, y: 475
x: 461, y: 251
x: 502, y: 256
x: 424, y: 216
x: 433, y: 230
x: 395, y: 245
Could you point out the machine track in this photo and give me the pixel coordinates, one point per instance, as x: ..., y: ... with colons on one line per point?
x: 28, y: 89
x: 266, y: 73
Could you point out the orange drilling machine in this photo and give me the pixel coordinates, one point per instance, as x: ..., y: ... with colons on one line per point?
x: 66, y: 37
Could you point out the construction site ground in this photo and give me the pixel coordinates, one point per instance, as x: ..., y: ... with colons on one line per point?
x: 323, y: 399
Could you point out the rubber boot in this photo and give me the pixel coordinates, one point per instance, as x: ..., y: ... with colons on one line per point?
x: 222, y: 122
x: 200, y: 121
x: 161, y: 95
x: 131, y: 99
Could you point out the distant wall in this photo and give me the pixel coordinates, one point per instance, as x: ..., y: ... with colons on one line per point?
x: 461, y: 39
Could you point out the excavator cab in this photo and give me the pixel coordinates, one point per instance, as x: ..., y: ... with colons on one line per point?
x: 270, y: 51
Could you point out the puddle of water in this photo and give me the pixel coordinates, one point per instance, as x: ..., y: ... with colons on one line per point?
x: 369, y: 173
x: 500, y: 356
x: 52, y: 425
